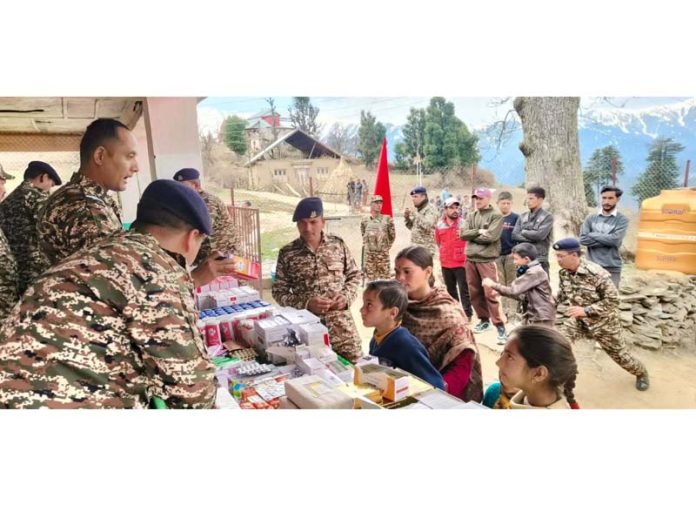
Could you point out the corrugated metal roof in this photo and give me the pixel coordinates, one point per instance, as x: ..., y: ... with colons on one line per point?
x: 298, y: 139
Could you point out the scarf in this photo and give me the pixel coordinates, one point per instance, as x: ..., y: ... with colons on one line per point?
x: 439, y: 323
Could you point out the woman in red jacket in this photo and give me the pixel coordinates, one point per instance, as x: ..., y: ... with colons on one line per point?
x: 439, y: 323
x: 453, y: 253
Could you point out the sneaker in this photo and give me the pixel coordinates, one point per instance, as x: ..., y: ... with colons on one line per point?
x: 502, y: 336
x: 642, y: 382
x: 482, y: 326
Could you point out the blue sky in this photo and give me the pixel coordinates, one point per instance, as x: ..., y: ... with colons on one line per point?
x: 474, y: 111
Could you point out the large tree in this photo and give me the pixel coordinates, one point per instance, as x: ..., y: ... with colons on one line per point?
x: 233, y: 134
x: 303, y: 115
x: 411, y: 147
x: 343, y: 138
x: 448, y: 142
x: 552, y: 156
x: 370, y: 136
x: 662, y: 171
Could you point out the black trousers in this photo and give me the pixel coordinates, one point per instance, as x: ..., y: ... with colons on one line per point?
x: 456, y: 277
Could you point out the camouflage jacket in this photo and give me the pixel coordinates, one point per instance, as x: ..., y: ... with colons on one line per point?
x: 18, y: 218
x: 590, y: 286
x: 110, y: 327
x: 302, y: 273
x: 8, y: 278
x: 378, y: 233
x: 75, y: 216
x: 422, y: 226
x: 224, y: 237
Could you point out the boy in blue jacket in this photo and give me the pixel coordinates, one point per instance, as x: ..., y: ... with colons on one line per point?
x: 384, y: 302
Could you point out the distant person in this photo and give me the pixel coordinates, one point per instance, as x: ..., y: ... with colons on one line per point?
x: 453, y: 254
x: 439, y: 204
x: 604, y: 232
x: 384, y: 304
x: 536, y: 226
x: 593, y: 307
x: 482, y: 231
x: 378, y: 233
x: 531, y: 287
x: 365, y: 192
x: 358, y: 194
x: 422, y: 222
x: 350, y: 190
x: 19, y: 215
x: 444, y: 195
x: 540, y: 362
x: 507, y: 271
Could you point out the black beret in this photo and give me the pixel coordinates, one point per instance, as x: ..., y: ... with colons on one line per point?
x: 567, y: 244
x: 419, y: 190
x: 187, y: 174
x: 36, y: 168
x: 308, y: 208
x: 182, y: 201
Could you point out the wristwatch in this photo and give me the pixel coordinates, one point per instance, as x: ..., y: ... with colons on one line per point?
x: 588, y: 311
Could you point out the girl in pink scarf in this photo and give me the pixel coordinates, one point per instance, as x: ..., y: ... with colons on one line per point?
x: 439, y: 323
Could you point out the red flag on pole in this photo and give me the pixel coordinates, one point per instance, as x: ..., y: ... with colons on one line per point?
x: 382, y: 183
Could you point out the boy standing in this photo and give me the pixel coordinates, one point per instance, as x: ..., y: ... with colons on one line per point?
x: 507, y: 271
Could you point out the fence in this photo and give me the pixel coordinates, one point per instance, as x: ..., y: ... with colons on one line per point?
x: 248, y: 224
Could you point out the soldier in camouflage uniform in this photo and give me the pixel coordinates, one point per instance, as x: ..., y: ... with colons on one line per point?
x: 83, y: 211
x: 8, y: 278
x: 115, y: 326
x: 224, y: 238
x: 378, y: 233
x: 594, y: 307
x: 18, y: 219
x: 318, y: 272
x: 4, y: 176
x: 422, y: 224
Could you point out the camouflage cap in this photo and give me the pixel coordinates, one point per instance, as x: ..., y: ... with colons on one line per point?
x: 4, y: 175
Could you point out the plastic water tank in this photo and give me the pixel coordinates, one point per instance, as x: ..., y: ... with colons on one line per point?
x: 667, y: 232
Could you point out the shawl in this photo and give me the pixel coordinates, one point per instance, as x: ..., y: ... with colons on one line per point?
x: 439, y: 323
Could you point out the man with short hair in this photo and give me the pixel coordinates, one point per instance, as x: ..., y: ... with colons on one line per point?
x: 317, y: 272
x: 422, y: 223
x: 224, y: 237
x: 453, y: 253
x: 19, y: 220
x: 593, y: 310
x: 482, y: 230
x: 604, y: 231
x: 115, y: 325
x: 378, y: 234
x: 536, y: 226
x: 507, y: 271
x: 83, y: 210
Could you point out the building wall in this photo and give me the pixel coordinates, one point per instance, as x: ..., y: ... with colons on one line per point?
x: 266, y: 174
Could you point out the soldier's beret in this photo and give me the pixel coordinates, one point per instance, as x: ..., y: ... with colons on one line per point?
x: 36, y: 168
x: 187, y: 174
x: 419, y: 190
x: 308, y: 208
x: 182, y: 201
x: 567, y: 244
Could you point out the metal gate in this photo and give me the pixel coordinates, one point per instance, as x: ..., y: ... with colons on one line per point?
x: 248, y: 224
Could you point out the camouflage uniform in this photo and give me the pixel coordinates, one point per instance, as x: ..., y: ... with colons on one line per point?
x: 591, y: 286
x: 422, y: 226
x: 111, y: 327
x: 330, y: 271
x: 8, y: 278
x: 18, y: 218
x: 224, y: 237
x: 74, y: 217
x: 378, y: 233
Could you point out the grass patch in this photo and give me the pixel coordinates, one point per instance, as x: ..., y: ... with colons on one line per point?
x: 272, y: 241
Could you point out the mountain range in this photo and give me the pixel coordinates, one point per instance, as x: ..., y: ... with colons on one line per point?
x: 631, y: 131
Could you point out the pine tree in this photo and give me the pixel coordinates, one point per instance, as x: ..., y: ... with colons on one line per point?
x: 370, y: 135
x: 447, y: 140
x: 662, y: 171
x: 233, y: 134
x: 413, y: 139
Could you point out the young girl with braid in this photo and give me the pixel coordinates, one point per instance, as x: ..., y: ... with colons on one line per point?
x: 540, y: 362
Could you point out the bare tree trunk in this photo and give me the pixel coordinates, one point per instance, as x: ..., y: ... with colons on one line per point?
x: 552, y: 156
